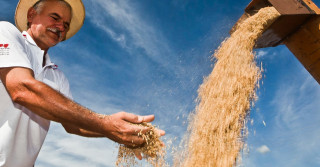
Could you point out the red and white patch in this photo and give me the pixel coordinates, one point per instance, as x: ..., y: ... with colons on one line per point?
x: 4, y: 49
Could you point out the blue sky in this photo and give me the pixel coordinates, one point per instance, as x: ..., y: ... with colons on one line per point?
x: 149, y: 57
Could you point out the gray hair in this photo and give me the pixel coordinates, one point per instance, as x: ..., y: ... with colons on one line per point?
x: 38, y: 6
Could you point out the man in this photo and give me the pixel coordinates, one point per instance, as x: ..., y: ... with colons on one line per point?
x: 33, y: 91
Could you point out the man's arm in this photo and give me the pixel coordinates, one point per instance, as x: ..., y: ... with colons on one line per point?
x: 81, y: 132
x: 50, y: 104
x: 86, y: 133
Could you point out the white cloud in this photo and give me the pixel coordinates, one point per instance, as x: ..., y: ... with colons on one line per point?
x: 291, y: 109
x: 62, y: 148
x: 263, y: 149
x: 119, y: 38
x: 261, y: 54
x: 296, y: 119
x: 127, y: 26
x: 126, y: 18
x: 296, y: 99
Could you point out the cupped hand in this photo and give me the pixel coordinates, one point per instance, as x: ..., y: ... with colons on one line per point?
x: 122, y: 128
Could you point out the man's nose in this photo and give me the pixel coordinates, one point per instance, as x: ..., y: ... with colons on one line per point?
x: 60, y: 26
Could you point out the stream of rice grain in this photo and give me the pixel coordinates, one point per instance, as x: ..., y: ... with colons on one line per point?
x: 218, y: 127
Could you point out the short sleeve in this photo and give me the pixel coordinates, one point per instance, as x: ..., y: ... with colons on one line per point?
x: 12, y: 47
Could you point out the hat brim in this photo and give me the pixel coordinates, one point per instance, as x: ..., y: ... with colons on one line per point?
x: 78, y: 15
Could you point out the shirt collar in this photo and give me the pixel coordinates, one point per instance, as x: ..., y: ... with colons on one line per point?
x: 29, y: 38
x: 31, y: 41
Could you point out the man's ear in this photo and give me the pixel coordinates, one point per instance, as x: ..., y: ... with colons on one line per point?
x: 31, y: 13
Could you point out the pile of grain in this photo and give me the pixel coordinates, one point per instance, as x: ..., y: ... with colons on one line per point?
x: 153, y: 151
x: 217, y: 129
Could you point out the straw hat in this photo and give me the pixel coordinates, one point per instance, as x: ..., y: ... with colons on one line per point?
x: 78, y: 14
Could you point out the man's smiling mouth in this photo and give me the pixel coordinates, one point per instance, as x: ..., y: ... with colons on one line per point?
x: 55, y: 31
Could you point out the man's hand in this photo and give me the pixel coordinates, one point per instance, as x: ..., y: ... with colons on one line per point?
x: 122, y: 129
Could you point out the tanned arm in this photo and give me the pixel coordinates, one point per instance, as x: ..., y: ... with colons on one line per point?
x: 50, y: 104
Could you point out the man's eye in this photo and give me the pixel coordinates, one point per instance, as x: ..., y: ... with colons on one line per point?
x: 54, y: 18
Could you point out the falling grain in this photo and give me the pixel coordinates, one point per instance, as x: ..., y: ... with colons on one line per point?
x: 153, y: 151
x: 218, y: 126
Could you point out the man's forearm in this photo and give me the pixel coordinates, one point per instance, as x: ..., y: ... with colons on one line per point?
x: 50, y: 104
x: 81, y: 132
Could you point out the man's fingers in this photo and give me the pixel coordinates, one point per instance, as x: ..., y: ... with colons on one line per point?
x: 137, y: 154
x: 137, y: 119
x: 160, y: 132
x: 129, y: 117
x: 147, y: 118
x: 131, y: 133
x: 141, y: 130
x: 134, y: 141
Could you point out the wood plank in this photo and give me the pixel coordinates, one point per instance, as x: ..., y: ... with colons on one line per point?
x: 305, y: 45
x: 284, y: 26
x: 313, y: 25
x: 298, y: 28
x: 313, y: 58
x: 289, y: 7
x: 315, y: 71
x: 255, y: 5
x: 294, y: 14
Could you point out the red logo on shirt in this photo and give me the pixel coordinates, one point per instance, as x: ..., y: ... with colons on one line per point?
x: 4, y: 45
x: 4, y: 49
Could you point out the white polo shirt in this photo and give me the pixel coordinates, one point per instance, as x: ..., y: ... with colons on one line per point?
x: 22, y: 132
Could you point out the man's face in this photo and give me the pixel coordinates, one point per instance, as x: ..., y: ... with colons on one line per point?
x: 50, y: 26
